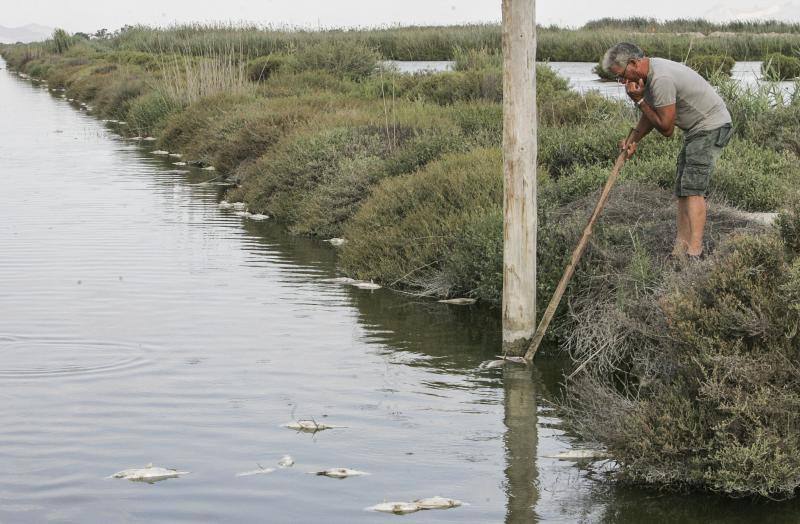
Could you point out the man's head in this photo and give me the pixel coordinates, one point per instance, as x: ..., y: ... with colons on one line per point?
x: 627, y: 62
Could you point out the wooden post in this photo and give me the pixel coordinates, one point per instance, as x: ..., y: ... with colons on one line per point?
x: 519, y: 167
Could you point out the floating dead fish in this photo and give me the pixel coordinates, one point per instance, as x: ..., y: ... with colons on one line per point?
x: 579, y: 454
x: 149, y: 139
x: 175, y: 155
x: 513, y: 360
x: 398, y: 508
x: 459, y: 301
x: 112, y: 121
x: 209, y: 168
x: 341, y: 473
x: 160, y: 152
x: 491, y: 364
x: 225, y: 205
x: 239, y: 206
x: 149, y: 474
x: 286, y: 462
x: 243, y: 214
x: 310, y: 426
x: 179, y: 163
x: 367, y: 285
x: 343, y: 280
x: 122, y: 123
x: 336, y: 241
x: 258, y: 216
x: 136, y: 138
x: 437, y: 503
x: 260, y: 471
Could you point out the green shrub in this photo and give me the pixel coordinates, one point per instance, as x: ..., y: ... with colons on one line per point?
x: 148, y: 113
x: 261, y: 68
x: 755, y: 178
x: 297, y: 177
x: 193, y: 130
x: 777, y: 66
x: 113, y: 98
x: 409, y: 232
x: 709, y: 65
x: 710, y: 397
x: 147, y: 61
x: 603, y: 74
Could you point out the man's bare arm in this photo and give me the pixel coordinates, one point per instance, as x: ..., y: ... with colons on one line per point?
x: 661, y: 118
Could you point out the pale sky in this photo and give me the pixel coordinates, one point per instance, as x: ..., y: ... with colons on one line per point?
x: 89, y: 15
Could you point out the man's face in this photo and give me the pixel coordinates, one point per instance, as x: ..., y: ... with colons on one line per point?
x: 626, y: 74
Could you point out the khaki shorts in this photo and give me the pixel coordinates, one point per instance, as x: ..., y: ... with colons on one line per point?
x: 697, y: 159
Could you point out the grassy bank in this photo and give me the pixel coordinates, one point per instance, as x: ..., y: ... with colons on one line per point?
x: 408, y: 169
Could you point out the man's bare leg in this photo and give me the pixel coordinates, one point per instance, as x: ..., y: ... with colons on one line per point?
x: 684, y: 232
x: 696, y: 209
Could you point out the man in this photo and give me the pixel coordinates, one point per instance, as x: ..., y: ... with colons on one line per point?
x: 669, y: 94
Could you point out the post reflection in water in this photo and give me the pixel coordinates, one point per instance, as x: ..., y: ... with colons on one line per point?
x: 520, y: 392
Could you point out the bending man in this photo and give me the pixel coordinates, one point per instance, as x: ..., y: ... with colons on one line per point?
x: 669, y: 94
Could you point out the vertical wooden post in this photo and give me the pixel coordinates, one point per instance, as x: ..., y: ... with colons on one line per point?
x: 519, y: 168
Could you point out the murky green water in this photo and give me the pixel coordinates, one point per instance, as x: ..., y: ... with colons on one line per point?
x: 139, y: 323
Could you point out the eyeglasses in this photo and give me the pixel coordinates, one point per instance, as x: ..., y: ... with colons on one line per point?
x: 621, y: 77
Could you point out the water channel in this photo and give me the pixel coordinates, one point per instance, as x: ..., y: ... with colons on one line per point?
x: 140, y: 323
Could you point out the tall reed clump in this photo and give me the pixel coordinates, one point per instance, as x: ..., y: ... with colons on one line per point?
x: 60, y: 41
x: 187, y: 78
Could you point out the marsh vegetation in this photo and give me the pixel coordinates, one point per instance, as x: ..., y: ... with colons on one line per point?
x: 690, y: 377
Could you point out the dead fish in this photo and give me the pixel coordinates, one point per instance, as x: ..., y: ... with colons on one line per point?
x: 343, y: 280
x: 341, y: 473
x: 122, y: 123
x: 175, y: 155
x: 209, y: 168
x: 286, y: 462
x: 159, y: 152
x: 491, y: 364
x: 225, y: 205
x: 239, y: 206
x: 579, y: 454
x: 514, y: 360
x: 149, y: 474
x: 336, y: 241
x: 459, y: 301
x: 367, y: 285
x: 149, y: 139
x: 398, y: 508
x: 260, y: 471
x: 179, y: 163
x: 258, y: 216
x: 309, y: 426
x: 243, y: 214
x: 437, y: 503
x: 136, y: 138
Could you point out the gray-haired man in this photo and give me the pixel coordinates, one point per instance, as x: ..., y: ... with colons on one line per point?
x: 670, y: 94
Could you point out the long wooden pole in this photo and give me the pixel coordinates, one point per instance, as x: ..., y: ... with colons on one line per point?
x: 519, y: 174
x: 576, y: 257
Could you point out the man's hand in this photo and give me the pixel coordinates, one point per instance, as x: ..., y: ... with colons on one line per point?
x: 630, y: 148
x: 635, y: 90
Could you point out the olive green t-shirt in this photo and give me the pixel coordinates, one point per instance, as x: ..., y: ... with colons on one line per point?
x: 698, y: 106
